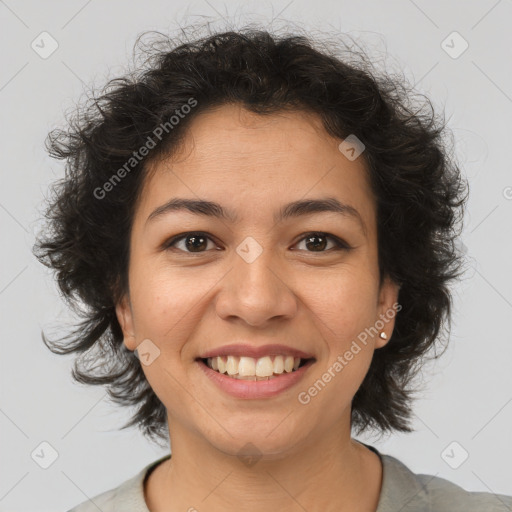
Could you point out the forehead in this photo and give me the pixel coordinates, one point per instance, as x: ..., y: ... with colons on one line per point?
x: 246, y: 161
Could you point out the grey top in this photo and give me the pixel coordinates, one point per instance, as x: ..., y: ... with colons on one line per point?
x: 402, y: 491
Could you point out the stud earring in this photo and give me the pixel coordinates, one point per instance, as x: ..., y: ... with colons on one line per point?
x: 383, y: 335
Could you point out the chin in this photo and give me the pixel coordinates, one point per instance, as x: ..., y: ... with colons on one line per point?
x: 264, y: 443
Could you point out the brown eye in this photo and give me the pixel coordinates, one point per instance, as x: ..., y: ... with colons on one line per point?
x: 197, y: 242
x: 317, y: 242
x: 193, y: 242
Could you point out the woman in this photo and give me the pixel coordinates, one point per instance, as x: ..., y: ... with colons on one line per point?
x: 262, y: 234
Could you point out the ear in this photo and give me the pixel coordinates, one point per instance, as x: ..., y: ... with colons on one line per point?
x: 125, y: 318
x: 388, y: 308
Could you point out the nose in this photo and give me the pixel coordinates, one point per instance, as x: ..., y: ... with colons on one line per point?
x: 256, y: 292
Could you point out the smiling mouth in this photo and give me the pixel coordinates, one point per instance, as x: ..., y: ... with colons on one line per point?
x: 248, y: 368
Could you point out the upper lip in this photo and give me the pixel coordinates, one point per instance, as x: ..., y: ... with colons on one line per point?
x: 255, y: 352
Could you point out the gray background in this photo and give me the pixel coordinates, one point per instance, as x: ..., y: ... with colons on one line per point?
x: 468, y: 392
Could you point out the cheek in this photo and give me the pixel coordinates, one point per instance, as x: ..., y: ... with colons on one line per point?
x: 346, y: 311
x: 345, y: 314
x: 163, y: 297
x: 346, y: 302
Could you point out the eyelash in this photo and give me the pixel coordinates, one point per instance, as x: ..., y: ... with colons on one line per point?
x: 339, y: 243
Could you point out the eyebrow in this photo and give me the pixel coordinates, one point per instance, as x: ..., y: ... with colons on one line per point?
x: 291, y: 210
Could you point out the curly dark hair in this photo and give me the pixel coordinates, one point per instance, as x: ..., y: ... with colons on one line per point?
x: 419, y: 189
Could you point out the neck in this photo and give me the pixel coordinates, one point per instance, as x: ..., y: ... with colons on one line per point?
x: 332, y: 473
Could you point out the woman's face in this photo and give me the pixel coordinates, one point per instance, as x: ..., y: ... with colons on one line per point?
x: 256, y: 280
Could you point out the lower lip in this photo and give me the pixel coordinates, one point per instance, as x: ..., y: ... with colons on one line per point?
x: 255, y: 388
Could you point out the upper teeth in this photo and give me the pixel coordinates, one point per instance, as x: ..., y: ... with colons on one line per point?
x: 248, y: 366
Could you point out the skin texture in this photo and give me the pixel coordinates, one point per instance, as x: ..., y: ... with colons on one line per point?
x: 317, y: 300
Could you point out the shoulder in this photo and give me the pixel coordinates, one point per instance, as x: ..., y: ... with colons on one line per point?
x: 129, y: 495
x: 444, y: 493
x: 409, y: 492
x: 125, y: 495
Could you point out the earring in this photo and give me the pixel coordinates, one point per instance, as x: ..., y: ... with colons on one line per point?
x: 383, y: 335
